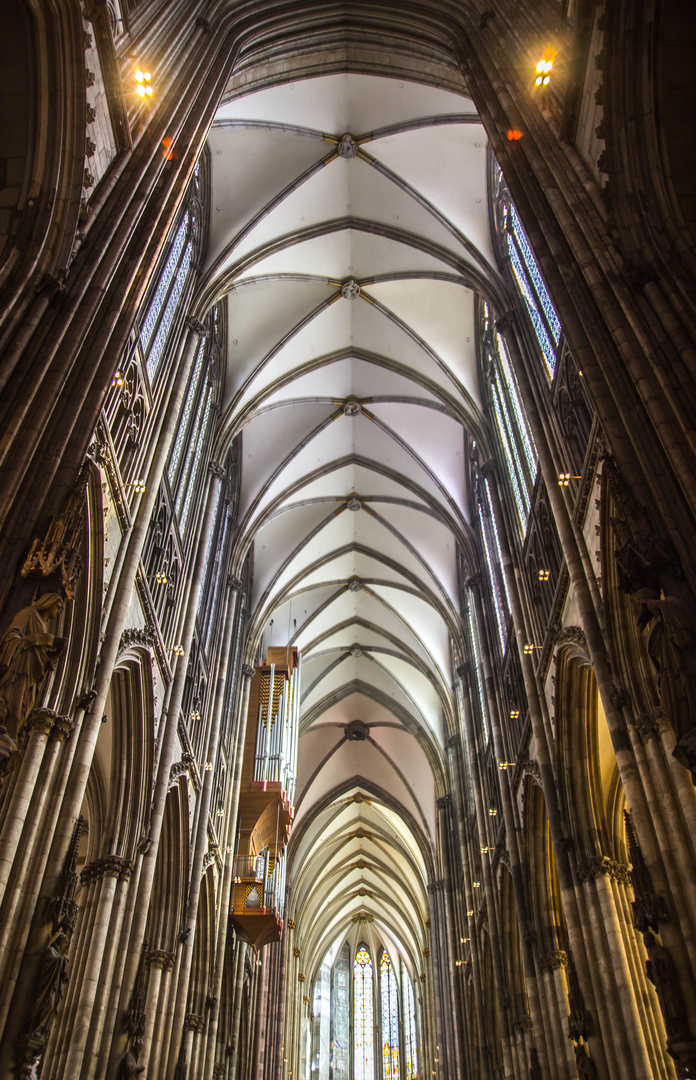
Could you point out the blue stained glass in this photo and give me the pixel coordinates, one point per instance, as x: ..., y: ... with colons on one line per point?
x: 522, y: 425
x: 186, y: 415
x: 157, y: 349
x: 197, y: 461
x: 410, y: 1047
x: 206, y: 565
x: 477, y: 671
x: 158, y: 299
x: 535, y: 275
x: 513, y: 463
x: 499, y: 614
x: 390, y: 1019
x: 497, y: 544
x: 363, y: 1040
x: 190, y: 453
x: 543, y: 338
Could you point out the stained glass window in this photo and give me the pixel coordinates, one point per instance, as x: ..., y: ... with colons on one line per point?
x: 185, y: 419
x: 155, y: 354
x: 478, y: 673
x: 527, y: 276
x: 390, y: 1019
x: 165, y: 281
x: 198, y: 456
x: 410, y: 1047
x: 363, y: 1042
x: 340, y: 1015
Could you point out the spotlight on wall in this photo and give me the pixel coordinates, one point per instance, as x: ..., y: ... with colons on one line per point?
x: 543, y: 72
x: 492, y: 812
x: 161, y: 577
x: 564, y: 479
x: 544, y: 575
x: 139, y: 486
x: 476, y: 884
x: 208, y: 765
x: 485, y: 850
x: 529, y: 649
x: 178, y: 650
x: 143, y: 88
x: 471, y: 913
x: 514, y: 714
x: 503, y: 765
x: 195, y: 715
x: 117, y: 379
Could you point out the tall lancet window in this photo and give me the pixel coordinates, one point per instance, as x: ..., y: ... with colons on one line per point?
x: 526, y: 273
x: 160, y: 315
x: 363, y: 1017
x: 410, y: 1048
x: 516, y: 442
x: 390, y: 1019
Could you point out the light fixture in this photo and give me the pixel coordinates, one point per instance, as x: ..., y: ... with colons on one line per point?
x: 503, y: 765
x: 178, y: 650
x: 161, y: 577
x: 117, y: 379
x: 195, y: 715
x: 471, y: 913
x: 476, y: 884
x: 143, y: 89
x: 485, y: 850
x: 464, y: 940
x: 208, y: 765
x: 139, y: 486
x: 564, y: 479
x: 544, y: 575
x: 543, y: 70
x: 492, y: 812
x: 529, y: 649
x: 514, y: 714
x: 220, y: 812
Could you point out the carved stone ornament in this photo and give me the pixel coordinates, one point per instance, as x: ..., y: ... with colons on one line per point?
x: 649, y: 909
x: 351, y: 407
x: 59, y: 551
x: 586, y: 1067
x: 347, y: 147
x: 357, y: 731
x: 362, y: 917
x: 197, y: 326
x: 234, y: 583
x: 161, y: 959
x: 571, y: 635
x: 144, y: 637
x: 445, y: 801
x: 463, y: 672
x: 217, y: 470
x: 663, y: 975
x: 354, y: 505
x: 350, y: 290
x: 28, y: 652
x: 553, y: 960
x: 194, y: 1022
x: 522, y: 1024
x: 452, y: 742
x: 297, y: 952
x: 248, y: 671
x: 355, y: 585
x: 600, y: 865
x: 61, y: 908
x: 650, y: 725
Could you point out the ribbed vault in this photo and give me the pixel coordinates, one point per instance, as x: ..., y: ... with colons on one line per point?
x: 350, y: 237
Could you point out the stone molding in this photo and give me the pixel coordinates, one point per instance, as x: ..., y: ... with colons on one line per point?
x: 554, y: 960
x: 197, y: 326
x: 248, y: 671
x: 159, y: 958
x: 602, y: 865
x: 194, y: 1022
x: 144, y: 637
x: 111, y: 866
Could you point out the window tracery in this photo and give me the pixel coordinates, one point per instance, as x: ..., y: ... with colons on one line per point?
x: 526, y: 274
x: 390, y: 1018
x: 410, y: 1045
x: 363, y: 1042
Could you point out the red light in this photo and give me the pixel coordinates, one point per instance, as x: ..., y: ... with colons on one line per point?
x: 513, y: 134
x: 167, y: 153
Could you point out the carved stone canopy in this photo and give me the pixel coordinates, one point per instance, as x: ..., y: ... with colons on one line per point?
x: 357, y: 731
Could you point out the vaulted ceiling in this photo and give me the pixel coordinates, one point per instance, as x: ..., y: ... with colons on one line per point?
x: 350, y: 236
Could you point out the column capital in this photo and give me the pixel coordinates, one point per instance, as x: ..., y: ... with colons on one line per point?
x: 248, y: 671
x: 197, y: 326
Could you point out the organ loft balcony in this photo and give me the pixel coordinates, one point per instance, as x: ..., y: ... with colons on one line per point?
x: 266, y: 804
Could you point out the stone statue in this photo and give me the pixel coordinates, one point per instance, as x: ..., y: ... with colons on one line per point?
x: 129, y: 1061
x: 663, y: 975
x: 585, y: 1065
x: 672, y: 649
x: 27, y: 653
x: 51, y: 974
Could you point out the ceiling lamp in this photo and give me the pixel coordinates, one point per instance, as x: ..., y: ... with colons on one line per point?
x: 143, y: 88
